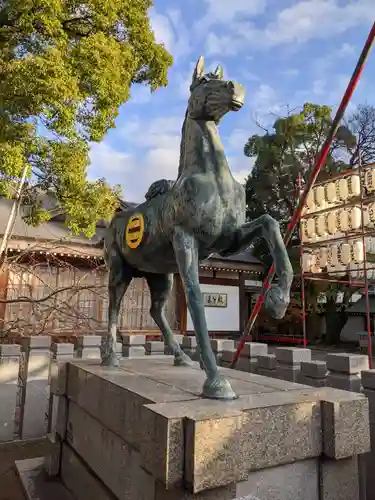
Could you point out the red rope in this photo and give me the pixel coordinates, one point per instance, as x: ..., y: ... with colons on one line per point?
x: 321, y: 158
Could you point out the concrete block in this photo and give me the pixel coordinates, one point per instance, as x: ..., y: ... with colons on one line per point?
x: 53, y: 458
x: 368, y: 379
x: 222, y: 493
x: 154, y: 347
x: 346, y: 382
x: 61, y: 417
x: 228, y: 355
x: 292, y: 355
x: 254, y: 349
x: 219, y: 345
x: 347, y: 363
x: 288, y: 372
x: 314, y: 369
x: 133, y: 340
x: 133, y: 351
x: 346, y: 427
x: 248, y: 365
x: 189, y: 342
x: 313, y: 382
x: 267, y: 361
x: 88, y: 346
x: 266, y: 373
x: 339, y: 479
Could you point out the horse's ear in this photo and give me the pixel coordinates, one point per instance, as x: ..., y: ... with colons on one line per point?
x: 219, y: 72
x: 199, y: 69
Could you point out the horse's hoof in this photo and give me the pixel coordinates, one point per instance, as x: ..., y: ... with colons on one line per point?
x: 218, y: 388
x: 110, y: 360
x: 276, y: 302
x: 183, y: 360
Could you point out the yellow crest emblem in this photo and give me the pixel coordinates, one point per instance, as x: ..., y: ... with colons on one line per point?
x: 134, y: 231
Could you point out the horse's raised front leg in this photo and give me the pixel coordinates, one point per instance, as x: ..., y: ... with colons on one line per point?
x: 278, y: 297
x: 120, y: 276
x: 186, y: 251
x: 160, y: 286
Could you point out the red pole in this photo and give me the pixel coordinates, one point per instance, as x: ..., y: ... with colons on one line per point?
x: 302, y: 273
x: 321, y: 158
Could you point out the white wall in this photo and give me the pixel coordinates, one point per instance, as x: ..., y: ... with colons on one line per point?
x: 221, y: 318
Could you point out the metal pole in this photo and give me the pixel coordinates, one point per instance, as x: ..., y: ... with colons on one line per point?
x: 302, y: 273
x: 368, y: 317
x: 321, y: 158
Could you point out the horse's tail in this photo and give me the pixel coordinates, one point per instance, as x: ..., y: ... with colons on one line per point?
x: 108, y: 242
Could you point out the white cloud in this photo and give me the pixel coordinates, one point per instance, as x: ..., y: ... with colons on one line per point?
x: 170, y: 29
x: 265, y: 100
x: 225, y: 12
x: 237, y: 139
x: 303, y: 21
x: 290, y: 73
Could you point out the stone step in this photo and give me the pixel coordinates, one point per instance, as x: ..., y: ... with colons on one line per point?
x: 35, y: 482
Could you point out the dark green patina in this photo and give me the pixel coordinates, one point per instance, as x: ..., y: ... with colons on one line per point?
x: 186, y: 220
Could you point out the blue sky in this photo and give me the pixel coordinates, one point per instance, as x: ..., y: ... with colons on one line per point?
x: 285, y: 52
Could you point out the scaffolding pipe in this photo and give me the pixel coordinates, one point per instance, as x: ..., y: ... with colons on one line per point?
x: 321, y: 158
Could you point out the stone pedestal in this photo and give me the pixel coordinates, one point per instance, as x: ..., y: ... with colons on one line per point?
x: 289, y: 361
x: 248, y: 360
x: 33, y: 395
x: 142, y: 432
x: 154, y: 347
x: 344, y: 371
x: 9, y: 366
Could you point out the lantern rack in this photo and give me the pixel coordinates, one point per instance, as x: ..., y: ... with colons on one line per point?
x: 337, y: 233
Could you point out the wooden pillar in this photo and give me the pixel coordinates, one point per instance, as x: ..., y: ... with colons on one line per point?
x: 242, y: 302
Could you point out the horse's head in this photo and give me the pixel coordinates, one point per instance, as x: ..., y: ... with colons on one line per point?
x: 212, y: 96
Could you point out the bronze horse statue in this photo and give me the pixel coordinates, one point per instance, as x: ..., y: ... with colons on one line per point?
x: 182, y: 223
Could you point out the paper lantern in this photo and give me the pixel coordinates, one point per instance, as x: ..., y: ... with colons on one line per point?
x: 357, y: 251
x: 345, y: 254
x: 323, y: 257
x: 343, y: 221
x: 370, y: 180
x: 320, y: 197
x: 331, y: 222
x: 306, y: 262
x: 354, y: 184
x: 333, y: 256
x: 353, y: 270
x: 355, y: 218
x: 366, y: 217
x: 371, y: 213
x: 310, y: 203
x: 320, y: 225
x: 342, y: 189
x: 331, y: 194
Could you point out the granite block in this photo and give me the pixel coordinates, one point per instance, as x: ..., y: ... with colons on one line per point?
x: 292, y: 355
x: 266, y: 373
x: 58, y: 375
x: 347, y: 363
x: 248, y: 365
x: 222, y: 493
x: 267, y: 361
x: 221, y: 451
x: 253, y: 349
x: 64, y: 349
x: 339, y: 479
x: 78, y: 478
x: 36, y: 342
x: 133, y: 340
x: 346, y: 428
x: 116, y: 397
x: 314, y: 369
x: 10, y: 350
x: 287, y: 482
x: 88, y: 341
x: 53, y: 457
x: 108, y: 455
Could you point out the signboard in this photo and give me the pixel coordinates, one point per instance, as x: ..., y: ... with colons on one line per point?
x: 134, y: 230
x: 215, y: 299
